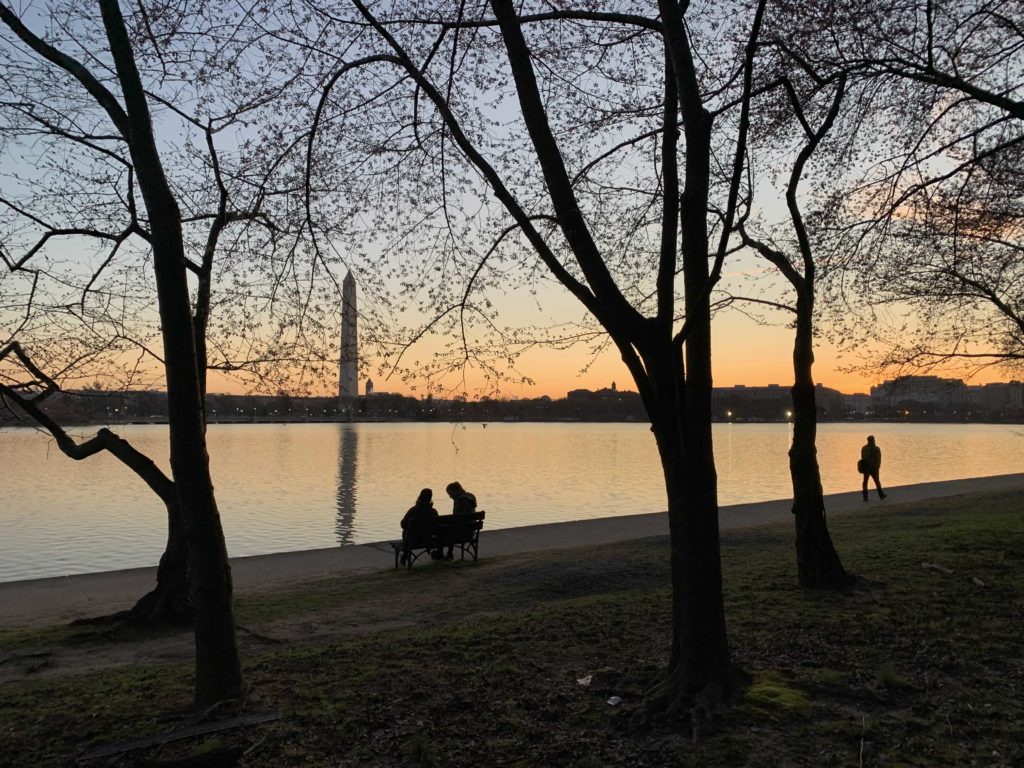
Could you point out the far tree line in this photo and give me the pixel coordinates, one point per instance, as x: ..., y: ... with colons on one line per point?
x: 183, y: 185
x: 113, y: 409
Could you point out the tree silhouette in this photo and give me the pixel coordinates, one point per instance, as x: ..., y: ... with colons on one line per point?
x: 218, y: 674
x: 611, y: 176
x: 818, y: 563
x: 930, y: 227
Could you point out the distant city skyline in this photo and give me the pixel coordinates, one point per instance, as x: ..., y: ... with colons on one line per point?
x: 913, y: 398
x: 625, y: 384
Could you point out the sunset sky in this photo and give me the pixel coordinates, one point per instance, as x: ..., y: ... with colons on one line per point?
x: 745, y: 352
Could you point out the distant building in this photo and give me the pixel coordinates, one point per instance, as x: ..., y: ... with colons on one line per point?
x: 859, y: 402
x: 348, y: 378
x: 743, y: 402
x: 926, y: 390
x: 773, y: 401
x: 830, y: 402
x: 1016, y: 394
x: 608, y: 393
x: 369, y: 387
x: 998, y: 396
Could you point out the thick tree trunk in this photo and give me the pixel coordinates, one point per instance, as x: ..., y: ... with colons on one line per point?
x: 218, y: 669
x: 169, y: 603
x: 700, y: 677
x: 818, y: 563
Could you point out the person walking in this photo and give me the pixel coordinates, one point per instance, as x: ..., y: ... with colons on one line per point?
x: 869, y: 465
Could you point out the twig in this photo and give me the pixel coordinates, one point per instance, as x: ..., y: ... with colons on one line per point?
x: 257, y: 636
x: 255, y: 744
x: 863, y: 728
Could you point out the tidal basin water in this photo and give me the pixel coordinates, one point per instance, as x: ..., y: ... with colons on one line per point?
x: 305, y: 486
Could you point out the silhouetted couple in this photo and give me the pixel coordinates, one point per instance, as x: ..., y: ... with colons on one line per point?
x: 463, y: 503
x: 869, y: 465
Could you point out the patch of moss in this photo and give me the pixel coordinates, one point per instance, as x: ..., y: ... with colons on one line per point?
x: 207, y: 745
x: 770, y: 691
x: 31, y: 637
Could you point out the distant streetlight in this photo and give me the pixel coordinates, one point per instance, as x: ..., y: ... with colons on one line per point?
x: 728, y: 414
x: 789, y: 414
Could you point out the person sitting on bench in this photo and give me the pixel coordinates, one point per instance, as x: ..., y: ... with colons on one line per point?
x: 423, y: 509
x: 463, y: 503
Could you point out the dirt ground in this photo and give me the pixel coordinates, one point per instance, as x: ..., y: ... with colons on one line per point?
x: 361, y: 603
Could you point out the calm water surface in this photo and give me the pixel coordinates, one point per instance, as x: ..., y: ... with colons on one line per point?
x: 304, y: 486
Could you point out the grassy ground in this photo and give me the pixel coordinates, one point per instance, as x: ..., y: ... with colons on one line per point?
x: 477, y: 665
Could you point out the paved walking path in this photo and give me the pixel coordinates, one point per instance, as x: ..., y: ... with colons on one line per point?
x: 55, y: 600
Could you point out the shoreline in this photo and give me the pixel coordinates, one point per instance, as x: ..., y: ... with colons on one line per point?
x: 866, y: 421
x: 38, y: 602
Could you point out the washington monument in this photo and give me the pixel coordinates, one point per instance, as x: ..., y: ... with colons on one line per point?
x: 348, y: 384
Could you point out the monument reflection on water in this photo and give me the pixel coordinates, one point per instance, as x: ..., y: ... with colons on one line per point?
x: 307, y: 486
x: 348, y: 451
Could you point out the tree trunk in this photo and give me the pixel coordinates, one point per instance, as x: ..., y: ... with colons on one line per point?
x: 169, y: 603
x: 218, y: 669
x: 818, y: 563
x: 700, y: 677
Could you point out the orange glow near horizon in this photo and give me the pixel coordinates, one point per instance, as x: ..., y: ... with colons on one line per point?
x: 753, y: 356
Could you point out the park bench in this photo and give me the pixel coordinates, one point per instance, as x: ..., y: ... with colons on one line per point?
x: 423, y: 536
